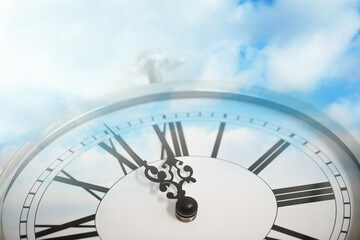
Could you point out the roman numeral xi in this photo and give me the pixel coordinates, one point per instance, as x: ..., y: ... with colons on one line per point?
x: 178, y: 147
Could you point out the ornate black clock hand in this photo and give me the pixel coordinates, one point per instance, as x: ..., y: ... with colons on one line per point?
x: 186, y: 207
x: 166, y: 177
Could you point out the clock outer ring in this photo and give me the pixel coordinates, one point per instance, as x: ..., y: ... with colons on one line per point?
x: 177, y: 90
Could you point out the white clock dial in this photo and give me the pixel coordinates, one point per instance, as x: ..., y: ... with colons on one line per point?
x: 261, y: 170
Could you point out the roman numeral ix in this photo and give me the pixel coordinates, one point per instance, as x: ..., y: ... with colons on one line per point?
x: 304, y: 194
x: 269, y: 156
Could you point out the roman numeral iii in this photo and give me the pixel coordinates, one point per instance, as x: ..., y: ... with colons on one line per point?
x: 304, y: 194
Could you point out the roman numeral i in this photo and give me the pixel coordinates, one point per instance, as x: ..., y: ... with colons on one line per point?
x: 218, y: 140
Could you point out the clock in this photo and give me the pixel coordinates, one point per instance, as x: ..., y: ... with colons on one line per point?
x: 186, y: 161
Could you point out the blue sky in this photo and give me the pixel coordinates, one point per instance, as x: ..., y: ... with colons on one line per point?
x: 57, y: 55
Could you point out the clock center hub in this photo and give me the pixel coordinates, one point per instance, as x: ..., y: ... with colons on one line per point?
x: 186, y: 209
x: 232, y: 203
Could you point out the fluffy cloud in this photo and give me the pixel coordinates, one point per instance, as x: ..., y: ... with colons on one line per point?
x: 303, y: 63
x: 347, y: 112
x: 346, y: 65
x: 298, y: 48
x: 56, y: 55
x: 88, y: 49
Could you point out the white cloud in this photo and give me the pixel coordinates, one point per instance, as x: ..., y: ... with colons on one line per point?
x: 301, y: 40
x: 55, y: 55
x: 87, y: 49
x: 73, y: 47
x: 305, y: 62
x: 222, y: 63
x: 346, y: 65
x: 291, y: 45
x: 347, y: 112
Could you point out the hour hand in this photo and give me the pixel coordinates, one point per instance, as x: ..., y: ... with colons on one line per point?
x: 172, y: 169
x: 186, y: 207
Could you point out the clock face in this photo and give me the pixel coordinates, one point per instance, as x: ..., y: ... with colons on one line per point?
x: 261, y: 170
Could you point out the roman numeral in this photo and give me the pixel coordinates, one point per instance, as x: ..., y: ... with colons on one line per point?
x: 121, y: 159
x: 90, y: 188
x: 218, y: 140
x: 289, y: 232
x: 177, y: 137
x: 304, y: 194
x: 78, y: 223
x: 269, y: 156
